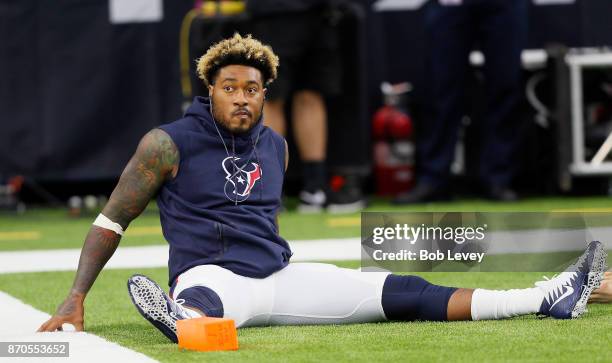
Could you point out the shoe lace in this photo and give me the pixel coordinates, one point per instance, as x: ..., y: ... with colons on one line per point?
x: 546, y: 278
x: 177, y: 308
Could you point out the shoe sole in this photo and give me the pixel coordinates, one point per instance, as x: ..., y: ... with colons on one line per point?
x: 150, y: 301
x: 595, y: 276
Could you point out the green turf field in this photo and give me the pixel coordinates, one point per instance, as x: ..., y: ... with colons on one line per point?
x: 110, y: 313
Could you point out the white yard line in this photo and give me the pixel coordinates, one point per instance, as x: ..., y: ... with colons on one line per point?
x: 312, y: 250
x: 528, y: 241
x: 157, y: 256
x: 20, y: 321
x: 547, y: 240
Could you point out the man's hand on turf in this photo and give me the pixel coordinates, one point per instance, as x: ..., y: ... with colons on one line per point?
x: 71, y: 311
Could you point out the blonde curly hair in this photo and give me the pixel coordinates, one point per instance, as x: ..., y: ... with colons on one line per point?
x: 238, y: 50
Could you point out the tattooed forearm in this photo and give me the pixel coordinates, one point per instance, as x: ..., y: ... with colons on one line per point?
x: 99, y: 246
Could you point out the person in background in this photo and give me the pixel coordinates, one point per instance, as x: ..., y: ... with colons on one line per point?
x: 304, y: 35
x: 453, y: 28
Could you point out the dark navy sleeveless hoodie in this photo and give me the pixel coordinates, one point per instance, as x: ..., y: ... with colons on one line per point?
x: 220, y: 208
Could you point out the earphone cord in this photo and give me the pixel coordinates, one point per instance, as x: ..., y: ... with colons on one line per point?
x: 235, y: 168
x: 260, y: 167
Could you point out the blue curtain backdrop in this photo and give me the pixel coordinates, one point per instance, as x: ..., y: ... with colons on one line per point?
x: 77, y: 92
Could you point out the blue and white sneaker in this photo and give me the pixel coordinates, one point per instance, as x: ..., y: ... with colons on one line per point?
x: 155, y: 305
x: 566, y: 295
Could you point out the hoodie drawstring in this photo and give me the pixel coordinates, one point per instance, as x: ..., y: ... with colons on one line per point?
x: 235, y: 168
x: 260, y: 167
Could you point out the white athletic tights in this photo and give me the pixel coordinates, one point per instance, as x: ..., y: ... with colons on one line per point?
x: 301, y: 293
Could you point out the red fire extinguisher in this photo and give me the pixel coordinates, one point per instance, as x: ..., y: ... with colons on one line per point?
x: 393, y: 135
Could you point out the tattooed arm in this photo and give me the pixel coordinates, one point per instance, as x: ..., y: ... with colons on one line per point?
x: 155, y: 161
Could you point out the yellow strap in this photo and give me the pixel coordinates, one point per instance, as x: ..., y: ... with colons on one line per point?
x: 207, y: 9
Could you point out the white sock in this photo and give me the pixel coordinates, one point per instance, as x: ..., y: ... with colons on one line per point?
x: 499, y: 304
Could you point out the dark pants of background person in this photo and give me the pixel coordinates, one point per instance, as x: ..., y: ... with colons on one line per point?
x: 307, y: 46
x: 499, y: 28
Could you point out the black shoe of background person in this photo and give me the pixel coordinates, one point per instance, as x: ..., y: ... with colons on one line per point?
x: 422, y: 193
x: 501, y: 193
x: 345, y: 195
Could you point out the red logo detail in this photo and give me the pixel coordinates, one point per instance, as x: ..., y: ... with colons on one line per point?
x: 252, y: 176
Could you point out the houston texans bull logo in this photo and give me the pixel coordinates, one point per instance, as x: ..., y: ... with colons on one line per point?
x: 240, y: 179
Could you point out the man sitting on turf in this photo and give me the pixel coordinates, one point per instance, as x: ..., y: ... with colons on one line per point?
x: 218, y: 174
